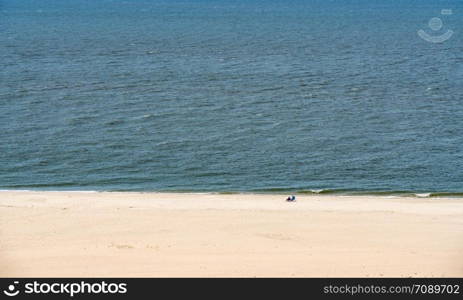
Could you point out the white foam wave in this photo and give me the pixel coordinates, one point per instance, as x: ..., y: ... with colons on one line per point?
x: 317, y: 191
x: 423, y: 195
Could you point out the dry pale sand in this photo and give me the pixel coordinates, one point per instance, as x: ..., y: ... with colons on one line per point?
x: 51, y: 234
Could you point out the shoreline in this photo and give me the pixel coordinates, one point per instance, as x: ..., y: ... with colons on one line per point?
x: 145, y: 234
x: 319, y: 192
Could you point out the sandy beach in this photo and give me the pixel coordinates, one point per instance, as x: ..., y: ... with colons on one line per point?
x: 86, y: 234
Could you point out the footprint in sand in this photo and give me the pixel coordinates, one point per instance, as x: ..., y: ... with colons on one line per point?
x: 120, y: 246
x: 155, y: 247
x: 275, y: 236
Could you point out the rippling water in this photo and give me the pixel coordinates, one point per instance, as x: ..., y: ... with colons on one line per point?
x: 230, y: 96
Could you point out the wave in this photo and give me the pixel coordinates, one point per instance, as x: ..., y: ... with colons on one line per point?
x: 423, y: 195
x: 316, y: 191
x: 71, y: 187
x: 49, y: 191
x: 353, y: 192
x: 441, y: 194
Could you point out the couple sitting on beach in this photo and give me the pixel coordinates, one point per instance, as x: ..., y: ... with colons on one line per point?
x: 291, y: 198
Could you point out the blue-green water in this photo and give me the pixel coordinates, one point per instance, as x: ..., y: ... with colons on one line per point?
x: 230, y: 96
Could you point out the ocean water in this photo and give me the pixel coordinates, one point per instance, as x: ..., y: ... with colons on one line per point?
x: 231, y: 96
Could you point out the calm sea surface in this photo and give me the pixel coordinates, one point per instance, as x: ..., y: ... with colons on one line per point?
x: 230, y: 96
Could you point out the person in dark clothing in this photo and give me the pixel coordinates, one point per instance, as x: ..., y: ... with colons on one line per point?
x: 291, y: 198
